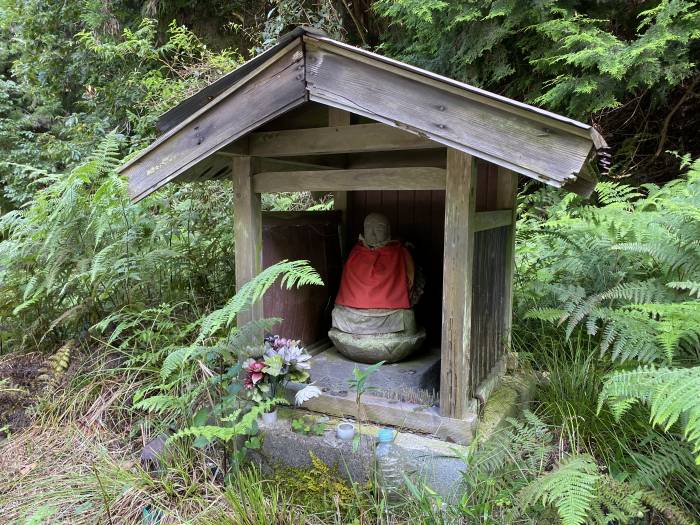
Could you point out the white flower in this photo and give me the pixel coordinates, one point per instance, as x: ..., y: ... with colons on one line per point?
x: 306, y: 393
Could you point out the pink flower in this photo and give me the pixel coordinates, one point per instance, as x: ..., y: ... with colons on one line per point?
x: 254, y: 374
x: 256, y: 366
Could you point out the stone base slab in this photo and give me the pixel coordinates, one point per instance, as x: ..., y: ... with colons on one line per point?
x: 430, y: 461
x: 330, y: 371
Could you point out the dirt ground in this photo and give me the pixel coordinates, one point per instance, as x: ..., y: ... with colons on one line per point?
x: 19, y: 386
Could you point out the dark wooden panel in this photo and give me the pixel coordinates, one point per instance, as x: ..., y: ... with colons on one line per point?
x: 489, y: 297
x: 487, y: 189
x: 309, y: 115
x: 312, y: 236
x: 482, y: 183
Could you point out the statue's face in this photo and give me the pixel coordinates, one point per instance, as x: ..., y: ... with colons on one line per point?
x: 377, y: 229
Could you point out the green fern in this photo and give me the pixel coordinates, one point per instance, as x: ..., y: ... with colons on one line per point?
x: 671, y: 394
x: 290, y: 273
x: 692, y: 287
x: 570, y: 488
x: 240, y: 422
x: 160, y: 404
x: 624, y: 270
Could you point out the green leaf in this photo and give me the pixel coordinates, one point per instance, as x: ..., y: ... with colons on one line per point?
x: 273, y: 365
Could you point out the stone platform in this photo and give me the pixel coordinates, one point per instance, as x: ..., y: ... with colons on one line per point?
x: 433, y: 460
x: 403, y: 395
x: 407, y: 380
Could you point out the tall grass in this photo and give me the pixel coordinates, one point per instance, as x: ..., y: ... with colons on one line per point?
x: 572, y: 373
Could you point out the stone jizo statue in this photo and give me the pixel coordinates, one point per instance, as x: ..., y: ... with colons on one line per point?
x: 373, y: 318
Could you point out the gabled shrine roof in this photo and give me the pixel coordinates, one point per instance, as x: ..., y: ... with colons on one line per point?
x: 305, y: 65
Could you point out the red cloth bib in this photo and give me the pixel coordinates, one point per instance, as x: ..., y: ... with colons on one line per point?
x: 375, y: 278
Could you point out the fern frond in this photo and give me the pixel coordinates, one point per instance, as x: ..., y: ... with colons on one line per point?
x: 570, y: 488
x: 242, y: 424
x: 671, y: 394
x: 692, y: 287
x: 666, y: 457
x: 649, y: 291
x: 614, y: 192
x: 291, y: 274
x: 177, y: 359
x: 550, y: 315
x: 159, y: 404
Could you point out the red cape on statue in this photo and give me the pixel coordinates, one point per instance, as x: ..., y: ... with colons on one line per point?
x: 375, y: 277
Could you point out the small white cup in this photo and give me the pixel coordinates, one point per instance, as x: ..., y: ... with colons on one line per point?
x: 345, y: 431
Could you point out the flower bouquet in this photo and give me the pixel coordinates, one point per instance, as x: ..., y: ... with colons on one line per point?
x: 283, y: 360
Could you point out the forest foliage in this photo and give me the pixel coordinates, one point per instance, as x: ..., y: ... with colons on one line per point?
x: 607, y: 289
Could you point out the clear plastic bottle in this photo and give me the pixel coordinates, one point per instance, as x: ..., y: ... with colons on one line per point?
x: 388, y: 465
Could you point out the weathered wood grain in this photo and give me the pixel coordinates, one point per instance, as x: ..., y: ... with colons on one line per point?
x: 487, y: 220
x: 491, y: 381
x: 448, y: 84
x: 434, y: 157
x: 488, y: 302
x: 335, y: 139
x: 204, y: 96
x: 247, y: 232
x: 276, y: 88
x: 506, y: 139
x: 416, y: 178
x: 211, y: 167
x: 336, y: 118
x: 508, y: 196
x: 460, y: 203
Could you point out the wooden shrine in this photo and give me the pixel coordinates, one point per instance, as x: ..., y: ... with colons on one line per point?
x: 440, y: 157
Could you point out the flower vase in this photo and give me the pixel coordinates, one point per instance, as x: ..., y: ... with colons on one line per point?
x: 269, y: 418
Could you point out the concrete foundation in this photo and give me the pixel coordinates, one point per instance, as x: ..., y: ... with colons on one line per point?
x: 429, y: 459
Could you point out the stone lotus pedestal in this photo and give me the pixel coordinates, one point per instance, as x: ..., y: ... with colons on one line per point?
x: 377, y: 347
x: 374, y: 335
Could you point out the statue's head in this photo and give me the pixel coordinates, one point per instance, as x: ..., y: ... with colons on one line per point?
x: 377, y: 230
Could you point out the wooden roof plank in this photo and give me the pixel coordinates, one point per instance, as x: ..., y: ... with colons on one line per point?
x: 306, y: 65
x: 506, y: 139
x: 201, y: 98
x: 478, y: 94
x: 275, y: 90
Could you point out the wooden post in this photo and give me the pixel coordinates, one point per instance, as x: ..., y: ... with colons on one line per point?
x: 247, y: 228
x: 460, y: 199
x: 338, y: 118
x: 507, y: 195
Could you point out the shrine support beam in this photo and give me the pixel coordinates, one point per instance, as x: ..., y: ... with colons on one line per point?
x: 460, y: 205
x: 507, y: 197
x: 247, y: 229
